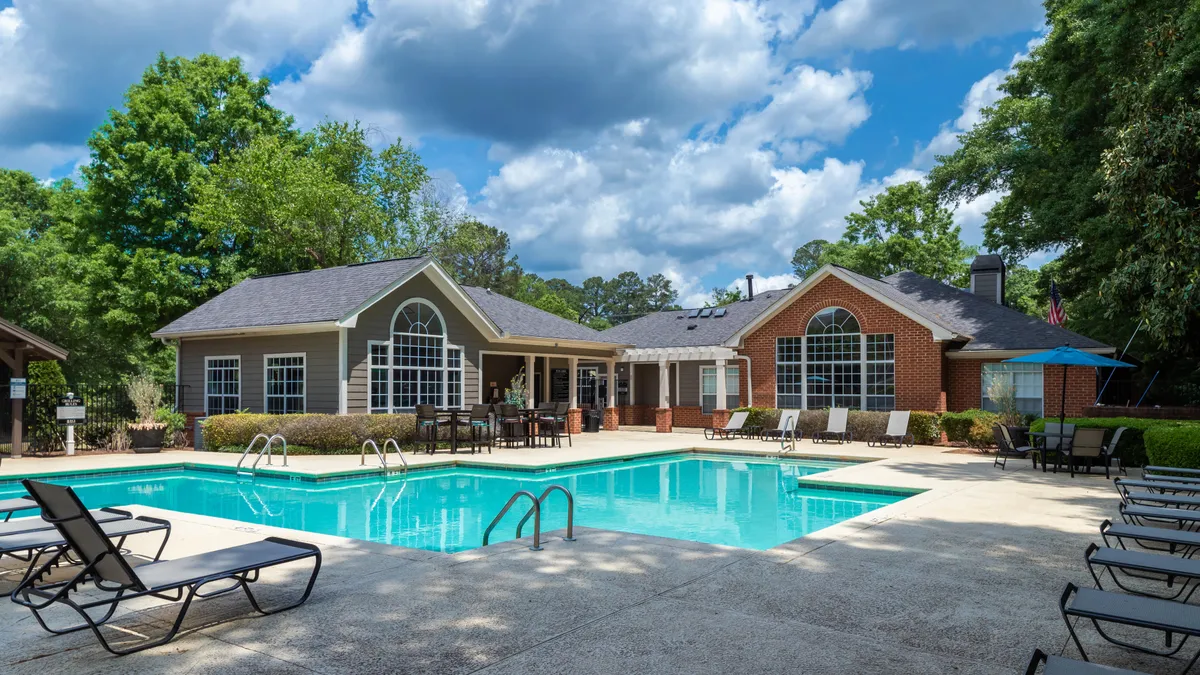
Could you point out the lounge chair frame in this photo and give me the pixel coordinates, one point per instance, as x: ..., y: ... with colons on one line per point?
x: 788, y: 431
x: 1097, y: 616
x: 12, y: 547
x: 729, y: 431
x: 1161, y: 539
x: 888, y: 438
x: 1060, y: 664
x: 1141, y: 565
x: 1005, y: 447
x: 100, y: 568
x: 831, y: 434
x: 1183, y: 519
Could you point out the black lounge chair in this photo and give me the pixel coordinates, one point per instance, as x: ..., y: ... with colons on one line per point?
x: 104, y: 565
x: 1058, y: 665
x: 1130, y: 610
x: 1182, y: 519
x: 28, y: 546
x: 732, y: 428
x: 1169, y: 470
x: 11, y: 506
x: 34, y: 524
x: 1166, y: 478
x: 1168, y: 487
x: 787, y: 429
x: 835, y: 428
x: 1185, y: 502
x: 897, y: 431
x: 1005, y: 447
x: 1173, y: 542
x: 1153, y: 566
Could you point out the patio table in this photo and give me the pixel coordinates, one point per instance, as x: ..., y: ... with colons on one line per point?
x: 1044, y: 436
x: 453, y: 415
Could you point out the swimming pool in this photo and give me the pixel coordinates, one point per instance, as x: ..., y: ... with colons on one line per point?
x: 747, y: 502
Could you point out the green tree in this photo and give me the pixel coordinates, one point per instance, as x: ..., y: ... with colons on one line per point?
x: 724, y: 296
x: 1024, y: 291
x: 904, y: 228
x: 807, y: 259
x: 479, y: 255
x: 553, y: 303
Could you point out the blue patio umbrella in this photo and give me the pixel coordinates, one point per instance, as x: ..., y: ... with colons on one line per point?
x: 1068, y: 356
x: 816, y: 378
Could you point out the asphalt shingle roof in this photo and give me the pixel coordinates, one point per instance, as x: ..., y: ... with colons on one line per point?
x: 517, y: 318
x: 984, y: 324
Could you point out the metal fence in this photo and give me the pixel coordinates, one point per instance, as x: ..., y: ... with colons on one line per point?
x: 108, y: 409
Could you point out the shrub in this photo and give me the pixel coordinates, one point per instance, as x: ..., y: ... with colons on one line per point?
x: 924, y: 427
x: 864, y: 425
x: 1177, y: 446
x: 1132, y: 448
x: 317, y: 433
x: 973, y: 427
x: 812, y: 421
x: 146, y: 396
x: 767, y: 418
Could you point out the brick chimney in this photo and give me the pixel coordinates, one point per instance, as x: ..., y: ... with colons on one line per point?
x: 987, y: 277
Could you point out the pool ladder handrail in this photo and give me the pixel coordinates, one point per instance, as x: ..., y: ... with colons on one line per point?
x: 382, y: 455
x: 784, y: 441
x: 270, y: 440
x: 570, y: 511
x: 537, y: 519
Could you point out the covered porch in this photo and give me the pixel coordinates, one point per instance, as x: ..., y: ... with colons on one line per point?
x: 18, y: 347
x: 689, y: 387
x: 584, y: 382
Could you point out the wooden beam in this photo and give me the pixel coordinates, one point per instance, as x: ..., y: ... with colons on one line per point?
x: 9, y: 359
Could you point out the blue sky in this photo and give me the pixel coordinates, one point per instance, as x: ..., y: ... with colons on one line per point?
x: 699, y: 138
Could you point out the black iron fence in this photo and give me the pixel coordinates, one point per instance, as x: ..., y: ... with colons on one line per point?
x: 108, y: 409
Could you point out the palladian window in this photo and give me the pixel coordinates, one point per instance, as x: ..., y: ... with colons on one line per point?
x: 835, y: 365
x: 418, y: 365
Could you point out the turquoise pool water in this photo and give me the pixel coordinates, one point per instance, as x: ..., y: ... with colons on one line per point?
x: 738, y: 501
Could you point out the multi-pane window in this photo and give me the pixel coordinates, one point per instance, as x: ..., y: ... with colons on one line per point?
x: 1026, y: 381
x: 418, y: 353
x: 881, y: 371
x: 454, y: 378
x: 708, y: 388
x: 222, y: 384
x: 586, y: 384
x: 833, y: 354
x: 377, y: 354
x: 789, y: 372
x: 284, y: 383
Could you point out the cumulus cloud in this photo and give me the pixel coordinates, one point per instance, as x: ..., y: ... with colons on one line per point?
x: 876, y: 24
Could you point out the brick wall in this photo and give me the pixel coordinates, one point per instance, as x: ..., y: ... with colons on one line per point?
x: 638, y: 414
x: 920, y: 384
x: 966, y: 386
x: 690, y: 416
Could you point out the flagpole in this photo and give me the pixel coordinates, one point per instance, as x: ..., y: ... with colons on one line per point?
x: 1114, y: 370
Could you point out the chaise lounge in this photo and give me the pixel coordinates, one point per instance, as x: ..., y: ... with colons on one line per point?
x: 1130, y: 610
x: 174, y: 580
x: 897, y: 431
x: 731, y: 429
x: 835, y: 428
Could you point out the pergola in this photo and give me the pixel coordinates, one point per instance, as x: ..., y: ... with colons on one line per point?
x: 665, y: 356
x: 18, y: 347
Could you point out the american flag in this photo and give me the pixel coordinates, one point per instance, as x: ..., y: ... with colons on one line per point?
x: 1058, y: 315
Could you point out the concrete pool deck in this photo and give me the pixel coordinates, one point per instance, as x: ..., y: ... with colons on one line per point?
x: 963, y: 578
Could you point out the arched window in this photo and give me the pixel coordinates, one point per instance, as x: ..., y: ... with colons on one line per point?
x: 833, y: 351
x: 418, y: 365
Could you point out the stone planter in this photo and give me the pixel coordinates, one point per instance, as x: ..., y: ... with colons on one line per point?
x: 147, y: 440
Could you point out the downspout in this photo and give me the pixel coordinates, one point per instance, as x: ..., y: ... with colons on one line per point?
x: 749, y: 385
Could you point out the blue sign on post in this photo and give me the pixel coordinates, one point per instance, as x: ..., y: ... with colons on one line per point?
x: 17, y: 387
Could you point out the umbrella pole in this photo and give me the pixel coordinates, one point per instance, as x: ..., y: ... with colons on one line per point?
x: 1062, y: 410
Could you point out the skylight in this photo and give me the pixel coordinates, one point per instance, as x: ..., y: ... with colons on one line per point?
x: 719, y: 312
x: 693, y: 313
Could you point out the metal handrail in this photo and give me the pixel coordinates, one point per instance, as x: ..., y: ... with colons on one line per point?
x: 783, y: 440
x: 267, y: 450
x: 363, y: 458
x: 397, y: 446
x: 251, y: 447
x: 570, y: 511
x: 537, y: 519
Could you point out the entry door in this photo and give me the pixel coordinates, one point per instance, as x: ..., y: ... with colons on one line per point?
x: 537, y: 389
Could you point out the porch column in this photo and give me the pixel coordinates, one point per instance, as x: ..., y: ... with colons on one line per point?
x: 574, y: 415
x: 17, y: 368
x: 720, y: 415
x: 612, y: 417
x: 529, y: 362
x: 632, y: 399
x: 545, y: 378
x: 662, y: 415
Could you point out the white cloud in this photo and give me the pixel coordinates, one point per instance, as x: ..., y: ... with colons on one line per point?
x: 876, y: 24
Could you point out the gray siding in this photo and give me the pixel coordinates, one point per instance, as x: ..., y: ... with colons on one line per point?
x: 320, y: 367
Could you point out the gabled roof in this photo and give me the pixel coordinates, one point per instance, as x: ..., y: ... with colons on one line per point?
x: 669, y: 328
x: 951, y: 314
x: 41, y: 347
x: 329, y: 298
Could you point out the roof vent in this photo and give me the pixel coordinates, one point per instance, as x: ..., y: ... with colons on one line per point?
x: 691, y: 326
x: 749, y: 286
x: 693, y: 313
x: 706, y: 312
x: 718, y: 312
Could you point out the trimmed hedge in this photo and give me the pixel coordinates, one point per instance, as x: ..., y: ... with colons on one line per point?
x: 1177, y: 446
x: 1132, y: 449
x: 973, y: 427
x: 321, y: 433
x: 862, y: 424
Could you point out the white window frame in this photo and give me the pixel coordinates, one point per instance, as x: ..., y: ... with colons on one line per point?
x: 445, y: 337
x: 387, y: 371
x: 803, y: 382
x: 809, y: 365
x: 462, y: 376
x: 866, y: 374
x: 303, y: 378
x: 1008, y: 369
x: 731, y: 372
x: 234, y: 357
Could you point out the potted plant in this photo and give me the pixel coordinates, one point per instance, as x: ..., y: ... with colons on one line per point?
x: 146, y: 434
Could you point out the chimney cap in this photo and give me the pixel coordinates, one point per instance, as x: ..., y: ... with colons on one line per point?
x: 987, y: 262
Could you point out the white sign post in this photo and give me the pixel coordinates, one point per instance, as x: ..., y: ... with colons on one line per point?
x: 17, y: 387
x: 71, y: 410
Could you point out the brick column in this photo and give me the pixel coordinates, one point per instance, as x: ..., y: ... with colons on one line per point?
x: 611, y: 418
x: 575, y: 421
x: 720, y: 418
x: 662, y: 420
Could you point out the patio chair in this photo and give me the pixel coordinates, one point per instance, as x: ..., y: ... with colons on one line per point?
x: 562, y: 426
x: 428, y: 424
x: 787, y: 429
x: 174, y: 580
x: 836, y: 428
x: 479, y: 424
x: 29, y: 546
x: 897, y: 431
x: 1109, y: 453
x: 1130, y: 610
x: 1086, y: 443
x: 1060, y: 444
x: 1164, y: 540
x: 511, y: 426
x: 1005, y: 447
x: 1165, y: 569
x: 1060, y: 665
x: 545, y: 419
x: 731, y: 429
x: 11, y: 506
